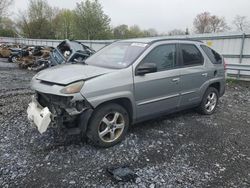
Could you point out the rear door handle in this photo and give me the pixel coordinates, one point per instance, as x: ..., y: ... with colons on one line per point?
x: 204, y: 74
x: 176, y: 79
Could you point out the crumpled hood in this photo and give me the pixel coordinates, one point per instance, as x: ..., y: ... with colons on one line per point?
x: 68, y: 73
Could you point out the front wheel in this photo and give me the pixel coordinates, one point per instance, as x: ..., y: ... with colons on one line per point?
x: 209, y: 101
x: 13, y: 59
x: 108, y: 125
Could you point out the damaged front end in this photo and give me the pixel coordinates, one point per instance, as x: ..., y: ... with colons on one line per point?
x: 65, y: 112
x: 60, y: 90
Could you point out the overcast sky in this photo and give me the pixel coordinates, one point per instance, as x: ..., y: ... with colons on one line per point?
x: 163, y: 15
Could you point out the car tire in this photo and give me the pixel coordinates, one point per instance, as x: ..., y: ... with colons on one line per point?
x: 209, y: 101
x: 13, y: 59
x: 9, y: 60
x: 108, y: 125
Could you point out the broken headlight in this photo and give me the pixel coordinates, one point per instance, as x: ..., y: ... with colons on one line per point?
x: 73, y: 88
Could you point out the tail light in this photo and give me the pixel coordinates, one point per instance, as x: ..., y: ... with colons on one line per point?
x: 225, y: 64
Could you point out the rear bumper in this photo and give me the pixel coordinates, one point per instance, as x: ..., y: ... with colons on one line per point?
x: 222, y: 87
x: 39, y: 116
x: 223, y: 90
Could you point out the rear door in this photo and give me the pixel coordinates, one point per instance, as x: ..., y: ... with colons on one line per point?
x: 216, y: 59
x: 159, y: 91
x: 194, y: 73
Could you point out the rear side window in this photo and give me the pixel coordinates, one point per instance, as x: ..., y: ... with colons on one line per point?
x: 164, y: 56
x: 191, y: 56
x: 214, y: 57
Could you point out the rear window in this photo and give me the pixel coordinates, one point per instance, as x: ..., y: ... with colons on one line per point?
x: 214, y: 57
x: 191, y: 56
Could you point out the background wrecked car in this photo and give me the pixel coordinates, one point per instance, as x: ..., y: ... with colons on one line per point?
x: 65, y: 52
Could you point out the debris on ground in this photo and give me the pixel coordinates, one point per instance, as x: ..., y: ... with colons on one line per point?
x: 34, y: 57
x: 123, y: 174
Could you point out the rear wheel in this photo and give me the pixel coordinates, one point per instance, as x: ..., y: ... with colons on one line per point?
x: 209, y: 101
x: 108, y: 125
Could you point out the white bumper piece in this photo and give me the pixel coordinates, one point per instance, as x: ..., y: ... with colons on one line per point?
x: 39, y: 116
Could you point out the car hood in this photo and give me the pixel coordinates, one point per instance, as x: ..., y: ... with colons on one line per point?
x: 68, y: 73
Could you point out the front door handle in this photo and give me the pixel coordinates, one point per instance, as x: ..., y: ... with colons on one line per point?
x: 204, y: 74
x: 176, y: 79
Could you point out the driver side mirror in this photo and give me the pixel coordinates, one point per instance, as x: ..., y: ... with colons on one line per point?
x: 146, y: 68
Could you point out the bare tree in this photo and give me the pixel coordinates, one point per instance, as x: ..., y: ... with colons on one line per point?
x: 218, y: 24
x: 36, y: 22
x: 39, y: 9
x: 63, y: 24
x: 207, y: 23
x: 23, y: 24
x: 176, y: 32
x: 241, y: 23
x: 4, y: 5
x: 202, y: 23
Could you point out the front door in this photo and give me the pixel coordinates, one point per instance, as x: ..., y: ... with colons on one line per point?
x: 159, y: 91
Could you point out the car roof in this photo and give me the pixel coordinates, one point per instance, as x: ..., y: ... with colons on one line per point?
x: 74, y: 45
x: 158, y: 39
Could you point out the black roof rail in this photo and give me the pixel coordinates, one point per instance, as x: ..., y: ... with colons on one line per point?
x: 183, y: 39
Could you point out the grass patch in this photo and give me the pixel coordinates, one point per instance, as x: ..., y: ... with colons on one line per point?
x: 232, y: 81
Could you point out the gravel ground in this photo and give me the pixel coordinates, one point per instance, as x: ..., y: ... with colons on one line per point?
x: 180, y: 150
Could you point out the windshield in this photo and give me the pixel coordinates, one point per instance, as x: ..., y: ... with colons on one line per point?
x: 117, y: 55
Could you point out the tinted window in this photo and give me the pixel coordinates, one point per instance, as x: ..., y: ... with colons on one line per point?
x: 163, y: 56
x: 212, y: 55
x: 191, y: 55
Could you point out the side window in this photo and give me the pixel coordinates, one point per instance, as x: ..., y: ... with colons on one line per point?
x: 164, y: 56
x: 212, y: 55
x: 191, y: 55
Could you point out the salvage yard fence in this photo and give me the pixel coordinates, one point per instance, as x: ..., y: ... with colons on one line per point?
x: 235, y: 47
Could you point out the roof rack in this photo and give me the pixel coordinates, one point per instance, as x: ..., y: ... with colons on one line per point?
x: 183, y: 39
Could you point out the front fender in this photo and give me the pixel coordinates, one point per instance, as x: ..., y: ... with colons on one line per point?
x: 115, y: 85
x: 98, y: 100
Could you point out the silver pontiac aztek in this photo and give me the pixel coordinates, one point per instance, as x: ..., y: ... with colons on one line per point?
x: 127, y: 82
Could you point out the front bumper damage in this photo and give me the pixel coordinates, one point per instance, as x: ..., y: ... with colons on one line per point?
x: 68, y: 112
x: 38, y: 115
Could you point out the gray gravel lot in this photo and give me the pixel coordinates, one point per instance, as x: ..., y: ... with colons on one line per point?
x: 179, y: 150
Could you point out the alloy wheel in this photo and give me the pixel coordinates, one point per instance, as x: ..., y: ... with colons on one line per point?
x: 211, y: 102
x: 111, y: 127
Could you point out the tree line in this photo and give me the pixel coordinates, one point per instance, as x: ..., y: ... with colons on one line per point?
x: 88, y: 21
